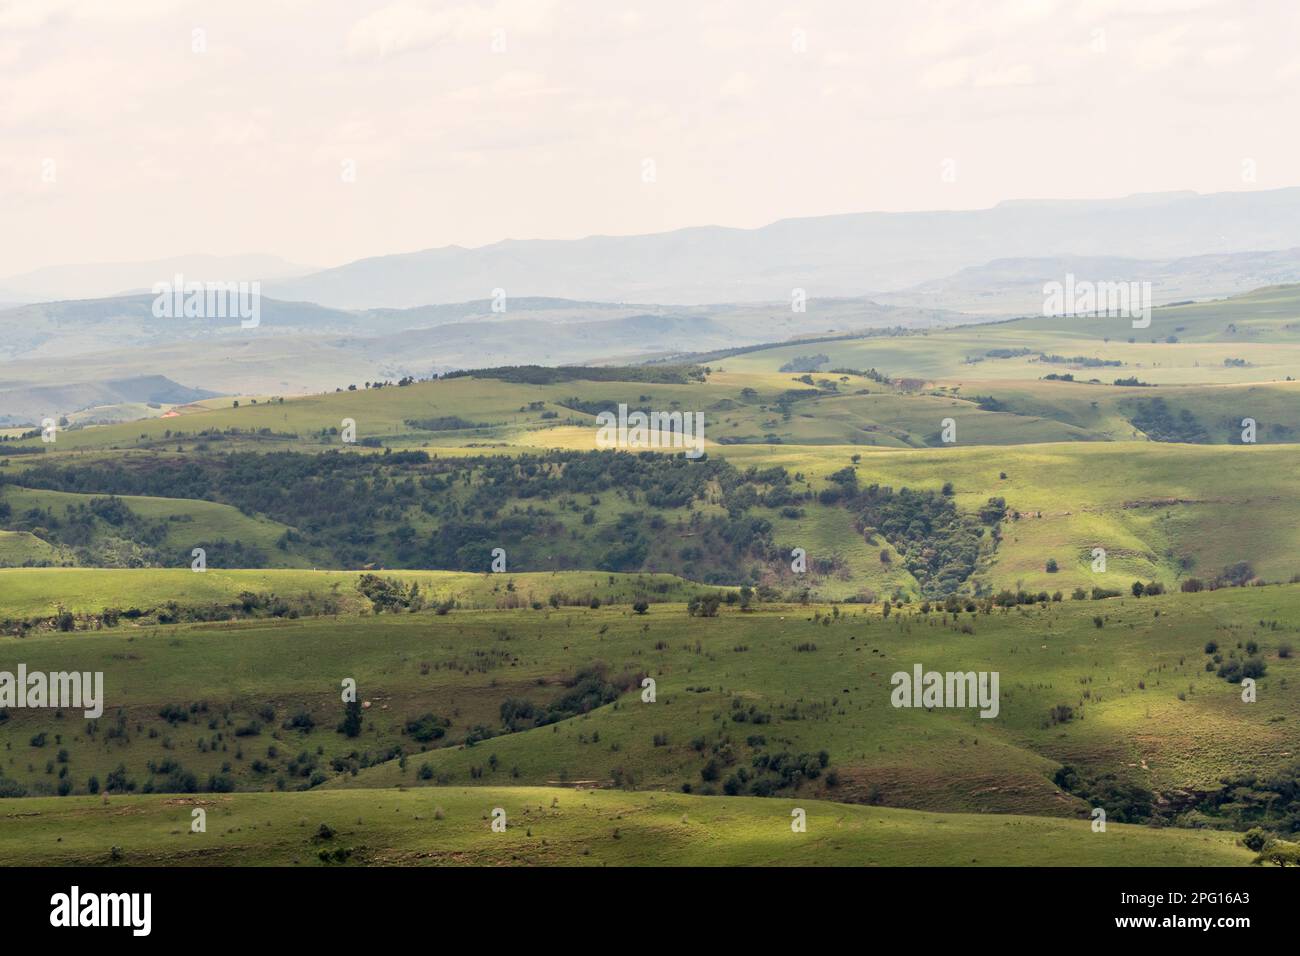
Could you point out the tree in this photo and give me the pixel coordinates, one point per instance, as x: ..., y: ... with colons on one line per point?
x: 1138, y: 589
x: 641, y: 607
x: 706, y: 606
x: 1051, y: 566
x: 1280, y: 854
x: 351, y: 725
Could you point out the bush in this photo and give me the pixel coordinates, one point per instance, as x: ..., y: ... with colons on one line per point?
x: 1253, y: 668
x: 300, y: 721
x: 1280, y: 854
x: 706, y: 606
x: 1256, y: 839
x: 427, y: 727
x: 1235, y: 671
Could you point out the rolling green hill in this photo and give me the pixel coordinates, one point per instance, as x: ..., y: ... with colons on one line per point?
x: 32, y: 593
x: 784, y: 701
x: 137, y: 531
x: 1260, y: 330
x: 1121, y: 682
x: 558, y: 827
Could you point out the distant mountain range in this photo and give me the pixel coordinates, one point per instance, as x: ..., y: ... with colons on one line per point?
x: 828, y: 256
x: 105, y: 279
x: 1015, y: 286
x: 625, y: 299
x: 51, y: 350
x: 29, y: 403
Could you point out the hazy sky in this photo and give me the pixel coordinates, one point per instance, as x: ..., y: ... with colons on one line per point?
x: 120, y: 141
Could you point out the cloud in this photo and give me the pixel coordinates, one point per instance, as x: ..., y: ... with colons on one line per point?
x: 454, y: 144
x: 410, y: 27
x: 1018, y: 74
x: 737, y: 85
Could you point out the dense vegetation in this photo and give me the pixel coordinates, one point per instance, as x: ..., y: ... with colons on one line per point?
x: 408, y: 509
x: 1157, y: 419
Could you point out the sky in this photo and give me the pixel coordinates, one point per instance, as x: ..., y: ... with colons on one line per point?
x: 328, y: 131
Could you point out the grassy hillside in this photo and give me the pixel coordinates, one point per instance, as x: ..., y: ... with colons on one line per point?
x: 552, y: 697
x: 1260, y: 329
x: 560, y: 827
x: 144, y: 530
x: 368, y: 562
x: 1161, y: 511
x: 39, y: 592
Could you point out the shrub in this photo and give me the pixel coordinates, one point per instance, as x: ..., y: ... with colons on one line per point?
x: 1253, y: 667
x: 1280, y: 854
x: 704, y: 606
x: 1256, y: 839
x: 427, y: 727
x: 300, y: 721
x: 1061, y: 714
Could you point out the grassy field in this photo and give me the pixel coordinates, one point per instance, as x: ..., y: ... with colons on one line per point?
x: 37, y: 592
x: 185, y: 522
x: 1164, y: 512
x: 1161, y: 511
x: 18, y: 548
x: 228, y: 700
x: 561, y: 827
x: 1262, y: 329
x: 524, y: 689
